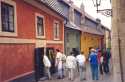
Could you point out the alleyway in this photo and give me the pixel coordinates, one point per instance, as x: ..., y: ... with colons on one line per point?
x: 107, y: 78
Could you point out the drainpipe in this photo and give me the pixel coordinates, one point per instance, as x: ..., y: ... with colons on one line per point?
x: 65, y: 22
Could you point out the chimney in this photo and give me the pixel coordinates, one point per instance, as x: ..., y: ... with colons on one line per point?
x: 98, y: 23
x: 82, y: 7
x: 71, y: 12
x: 83, y: 14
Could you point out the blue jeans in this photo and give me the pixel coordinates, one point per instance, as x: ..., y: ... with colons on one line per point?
x: 94, y: 70
x: 106, y: 67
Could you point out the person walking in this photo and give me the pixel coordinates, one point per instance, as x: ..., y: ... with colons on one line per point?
x: 58, y: 64
x: 100, y: 63
x: 94, y: 64
x: 107, y: 56
x: 81, y: 65
x: 47, y: 65
x: 63, y: 64
x: 71, y: 65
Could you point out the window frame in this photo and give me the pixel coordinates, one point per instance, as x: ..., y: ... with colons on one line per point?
x: 55, y: 21
x: 5, y: 33
x: 41, y: 16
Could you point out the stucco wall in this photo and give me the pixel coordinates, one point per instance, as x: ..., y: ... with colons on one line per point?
x: 16, y: 59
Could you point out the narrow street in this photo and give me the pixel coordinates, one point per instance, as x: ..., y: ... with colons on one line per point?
x: 36, y: 35
x: 107, y: 78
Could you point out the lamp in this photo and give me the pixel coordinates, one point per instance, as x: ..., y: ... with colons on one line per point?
x: 96, y: 3
x: 106, y: 12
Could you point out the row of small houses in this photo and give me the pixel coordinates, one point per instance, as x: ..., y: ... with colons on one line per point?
x: 31, y: 28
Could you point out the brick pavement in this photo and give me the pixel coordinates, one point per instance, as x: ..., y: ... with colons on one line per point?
x: 106, y: 78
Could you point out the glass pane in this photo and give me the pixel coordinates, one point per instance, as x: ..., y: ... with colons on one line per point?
x: 11, y: 19
x: 58, y: 30
x: 39, y: 30
x: 11, y: 25
x: 4, y: 14
x: 55, y: 30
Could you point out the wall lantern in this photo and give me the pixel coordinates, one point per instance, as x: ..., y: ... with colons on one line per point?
x: 106, y: 12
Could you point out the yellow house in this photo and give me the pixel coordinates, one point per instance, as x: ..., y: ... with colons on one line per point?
x: 91, y: 40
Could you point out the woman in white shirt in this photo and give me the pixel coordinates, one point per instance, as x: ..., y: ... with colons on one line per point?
x: 71, y: 65
x: 47, y: 65
x: 58, y: 64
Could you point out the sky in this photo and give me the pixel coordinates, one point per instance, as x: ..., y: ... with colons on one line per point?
x: 91, y: 10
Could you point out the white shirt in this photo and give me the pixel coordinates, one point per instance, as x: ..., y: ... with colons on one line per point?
x: 59, y: 60
x: 101, y: 59
x: 71, y: 62
x: 46, y: 61
x: 80, y: 59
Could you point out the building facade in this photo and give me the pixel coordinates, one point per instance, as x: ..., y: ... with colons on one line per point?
x: 72, y: 26
x: 26, y: 25
x: 92, y: 35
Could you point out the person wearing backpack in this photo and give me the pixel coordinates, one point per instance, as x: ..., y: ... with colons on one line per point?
x: 94, y: 64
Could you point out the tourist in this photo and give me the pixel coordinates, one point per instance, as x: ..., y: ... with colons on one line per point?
x: 94, y: 64
x: 47, y: 65
x: 100, y: 63
x: 81, y: 65
x: 107, y: 56
x: 63, y: 65
x: 71, y: 65
x: 58, y: 64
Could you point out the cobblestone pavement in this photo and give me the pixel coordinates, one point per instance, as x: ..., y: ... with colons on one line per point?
x: 106, y: 78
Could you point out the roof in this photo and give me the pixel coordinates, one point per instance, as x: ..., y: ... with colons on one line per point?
x: 72, y: 25
x: 79, y: 10
x: 92, y: 31
x: 53, y: 4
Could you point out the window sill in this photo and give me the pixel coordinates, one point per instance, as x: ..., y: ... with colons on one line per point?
x: 56, y: 39
x: 8, y: 34
x: 40, y: 37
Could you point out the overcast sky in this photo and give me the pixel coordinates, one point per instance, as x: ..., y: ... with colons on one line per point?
x: 91, y: 10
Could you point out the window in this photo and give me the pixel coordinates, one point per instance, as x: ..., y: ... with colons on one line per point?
x: 56, y: 31
x: 40, y: 27
x: 8, y: 18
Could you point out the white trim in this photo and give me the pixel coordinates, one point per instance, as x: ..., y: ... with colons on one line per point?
x: 19, y: 76
x: 54, y: 42
x: 55, y: 21
x: 40, y: 43
x: 15, y: 40
x: 40, y: 15
x: 15, y: 19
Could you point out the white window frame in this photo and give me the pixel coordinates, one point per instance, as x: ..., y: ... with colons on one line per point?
x: 10, y: 2
x: 39, y: 15
x: 55, y: 21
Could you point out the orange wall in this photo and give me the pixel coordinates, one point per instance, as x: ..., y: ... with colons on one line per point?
x: 26, y: 21
x: 16, y: 59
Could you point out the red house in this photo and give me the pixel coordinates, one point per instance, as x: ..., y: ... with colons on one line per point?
x: 27, y: 28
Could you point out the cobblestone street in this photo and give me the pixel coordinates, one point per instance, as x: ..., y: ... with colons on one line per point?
x: 106, y: 78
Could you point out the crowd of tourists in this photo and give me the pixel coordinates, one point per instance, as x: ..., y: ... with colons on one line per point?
x: 72, y: 63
